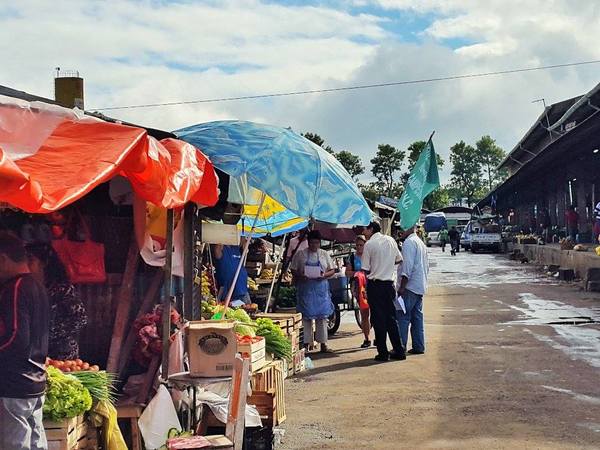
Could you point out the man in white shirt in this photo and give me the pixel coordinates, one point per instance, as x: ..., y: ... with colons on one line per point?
x: 412, y: 287
x: 379, y: 260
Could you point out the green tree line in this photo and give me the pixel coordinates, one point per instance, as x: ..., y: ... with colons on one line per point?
x: 474, y: 170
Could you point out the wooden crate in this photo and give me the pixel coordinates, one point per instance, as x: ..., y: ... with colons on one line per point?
x: 287, y: 321
x: 294, y: 338
x: 271, y: 403
x: 68, y: 434
x: 255, y: 351
x: 264, y: 379
x: 298, y: 360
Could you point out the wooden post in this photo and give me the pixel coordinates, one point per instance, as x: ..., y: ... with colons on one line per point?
x: 275, y: 277
x: 146, y: 306
x: 166, y: 301
x: 188, y: 261
x: 196, y: 309
x: 124, y: 301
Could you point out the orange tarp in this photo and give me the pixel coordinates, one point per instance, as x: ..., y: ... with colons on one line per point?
x: 52, y: 156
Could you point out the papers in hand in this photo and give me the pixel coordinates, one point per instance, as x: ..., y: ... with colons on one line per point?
x: 399, y: 304
x: 312, y: 271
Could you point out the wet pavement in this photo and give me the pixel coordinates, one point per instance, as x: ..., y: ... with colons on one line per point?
x: 512, y: 361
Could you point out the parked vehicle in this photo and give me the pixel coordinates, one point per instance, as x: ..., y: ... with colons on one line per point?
x: 482, y: 233
x: 433, y: 223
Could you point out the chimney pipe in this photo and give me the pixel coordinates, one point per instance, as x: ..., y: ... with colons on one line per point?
x: 68, y: 89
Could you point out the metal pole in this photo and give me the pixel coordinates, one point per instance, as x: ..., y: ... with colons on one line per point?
x: 279, y: 259
x: 188, y: 260
x: 166, y: 300
x: 244, y: 254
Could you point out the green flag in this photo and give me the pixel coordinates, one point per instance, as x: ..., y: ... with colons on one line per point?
x: 424, y: 179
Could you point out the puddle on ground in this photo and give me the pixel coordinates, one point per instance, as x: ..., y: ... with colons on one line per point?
x: 575, y: 395
x: 578, y: 341
x: 478, y: 271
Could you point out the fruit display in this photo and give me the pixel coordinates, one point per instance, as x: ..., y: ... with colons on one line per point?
x: 75, y: 365
x: 252, y: 285
x: 566, y: 244
x: 250, y: 308
x: 598, y: 250
x: 206, y: 283
x: 267, y: 274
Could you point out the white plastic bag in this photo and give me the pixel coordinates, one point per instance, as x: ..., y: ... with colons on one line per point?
x: 157, y: 419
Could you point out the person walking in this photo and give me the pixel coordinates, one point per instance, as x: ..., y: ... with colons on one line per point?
x: 454, y: 237
x: 358, y: 283
x: 443, y: 238
x: 312, y: 267
x: 380, y: 258
x: 24, y: 328
x: 413, y: 285
x: 572, y: 223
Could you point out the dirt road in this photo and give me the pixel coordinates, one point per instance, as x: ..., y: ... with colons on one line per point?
x: 496, y: 374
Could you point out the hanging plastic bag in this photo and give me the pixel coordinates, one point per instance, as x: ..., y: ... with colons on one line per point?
x: 157, y: 419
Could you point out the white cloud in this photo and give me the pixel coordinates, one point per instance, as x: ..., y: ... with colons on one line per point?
x: 133, y: 52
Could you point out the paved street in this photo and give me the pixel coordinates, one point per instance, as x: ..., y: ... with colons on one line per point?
x: 505, y: 368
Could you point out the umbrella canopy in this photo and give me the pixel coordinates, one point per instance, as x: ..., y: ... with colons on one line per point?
x: 51, y: 156
x: 273, y: 218
x: 297, y: 173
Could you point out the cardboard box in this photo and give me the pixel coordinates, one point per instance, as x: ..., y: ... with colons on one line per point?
x: 256, y: 352
x: 212, y: 346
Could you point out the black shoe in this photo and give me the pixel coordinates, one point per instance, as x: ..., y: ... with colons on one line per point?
x: 412, y: 351
x: 382, y: 358
x: 366, y: 344
x: 398, y: 356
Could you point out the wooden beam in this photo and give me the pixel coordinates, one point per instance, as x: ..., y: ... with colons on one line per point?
x: 146, y: 306
x: 124, y: 301
x: 166, y: 301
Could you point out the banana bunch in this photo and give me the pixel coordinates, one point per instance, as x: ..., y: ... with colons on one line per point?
x: 267, y: 274
x: 252, y: 285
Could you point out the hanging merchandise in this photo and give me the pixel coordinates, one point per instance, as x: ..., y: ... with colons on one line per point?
x: 83, y: 260
x: 150, y: 222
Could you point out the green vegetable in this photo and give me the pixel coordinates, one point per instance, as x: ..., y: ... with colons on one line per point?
x: 100, y: 384
x: 66, y: 396
x: 276, y: 341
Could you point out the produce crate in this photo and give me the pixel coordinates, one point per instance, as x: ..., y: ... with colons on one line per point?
x: 288, y: 322
x: 255, y: 351
x: 271, y: 403
x: 298, y: 360
x: 264, y: 379
x: 294, y: 338
x: 68, y: 434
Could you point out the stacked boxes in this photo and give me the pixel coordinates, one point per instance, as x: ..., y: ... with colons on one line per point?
x: 291, y: 325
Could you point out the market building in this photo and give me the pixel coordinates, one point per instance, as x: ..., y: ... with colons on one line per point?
x: 555, y: 164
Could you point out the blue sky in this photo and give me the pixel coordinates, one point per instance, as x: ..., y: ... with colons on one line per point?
x: 146, y: 51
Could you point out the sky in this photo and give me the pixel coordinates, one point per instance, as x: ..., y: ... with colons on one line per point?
x: 132, y: 52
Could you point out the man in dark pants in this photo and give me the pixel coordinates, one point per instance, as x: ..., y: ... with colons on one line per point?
x: 24, y: 329
x: 380, y: 258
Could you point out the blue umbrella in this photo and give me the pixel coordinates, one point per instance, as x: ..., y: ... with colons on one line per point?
x: 291, y: 169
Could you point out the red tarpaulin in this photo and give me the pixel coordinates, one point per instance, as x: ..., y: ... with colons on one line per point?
x: 51, y: 156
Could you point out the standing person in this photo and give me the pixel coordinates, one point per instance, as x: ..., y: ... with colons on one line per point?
x: 379, y: 260
x: 572, y: 222
x: 353, y: 272
x: 312, y: 267
x: 454, y: 237
x: 413, y: 285
x: 24, y: 325
x: 67, y: 312
x: 597, y: 223
x: 443, y: 238
x: 226, y: 261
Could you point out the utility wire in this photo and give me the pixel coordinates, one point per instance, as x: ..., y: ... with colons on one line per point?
x: 351, y: 88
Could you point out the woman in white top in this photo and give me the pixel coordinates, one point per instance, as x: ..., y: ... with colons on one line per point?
x: 311, y: 268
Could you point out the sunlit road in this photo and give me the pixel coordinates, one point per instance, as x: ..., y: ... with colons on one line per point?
x: 512, y: 361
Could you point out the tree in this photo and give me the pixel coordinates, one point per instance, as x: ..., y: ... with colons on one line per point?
x: 351, y: 163
x: 386, y: 164
x: 490, y: 156
x: 414, y: 151
x: 467, y: 177
x: 314, y: 137
x: 439, y: 198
